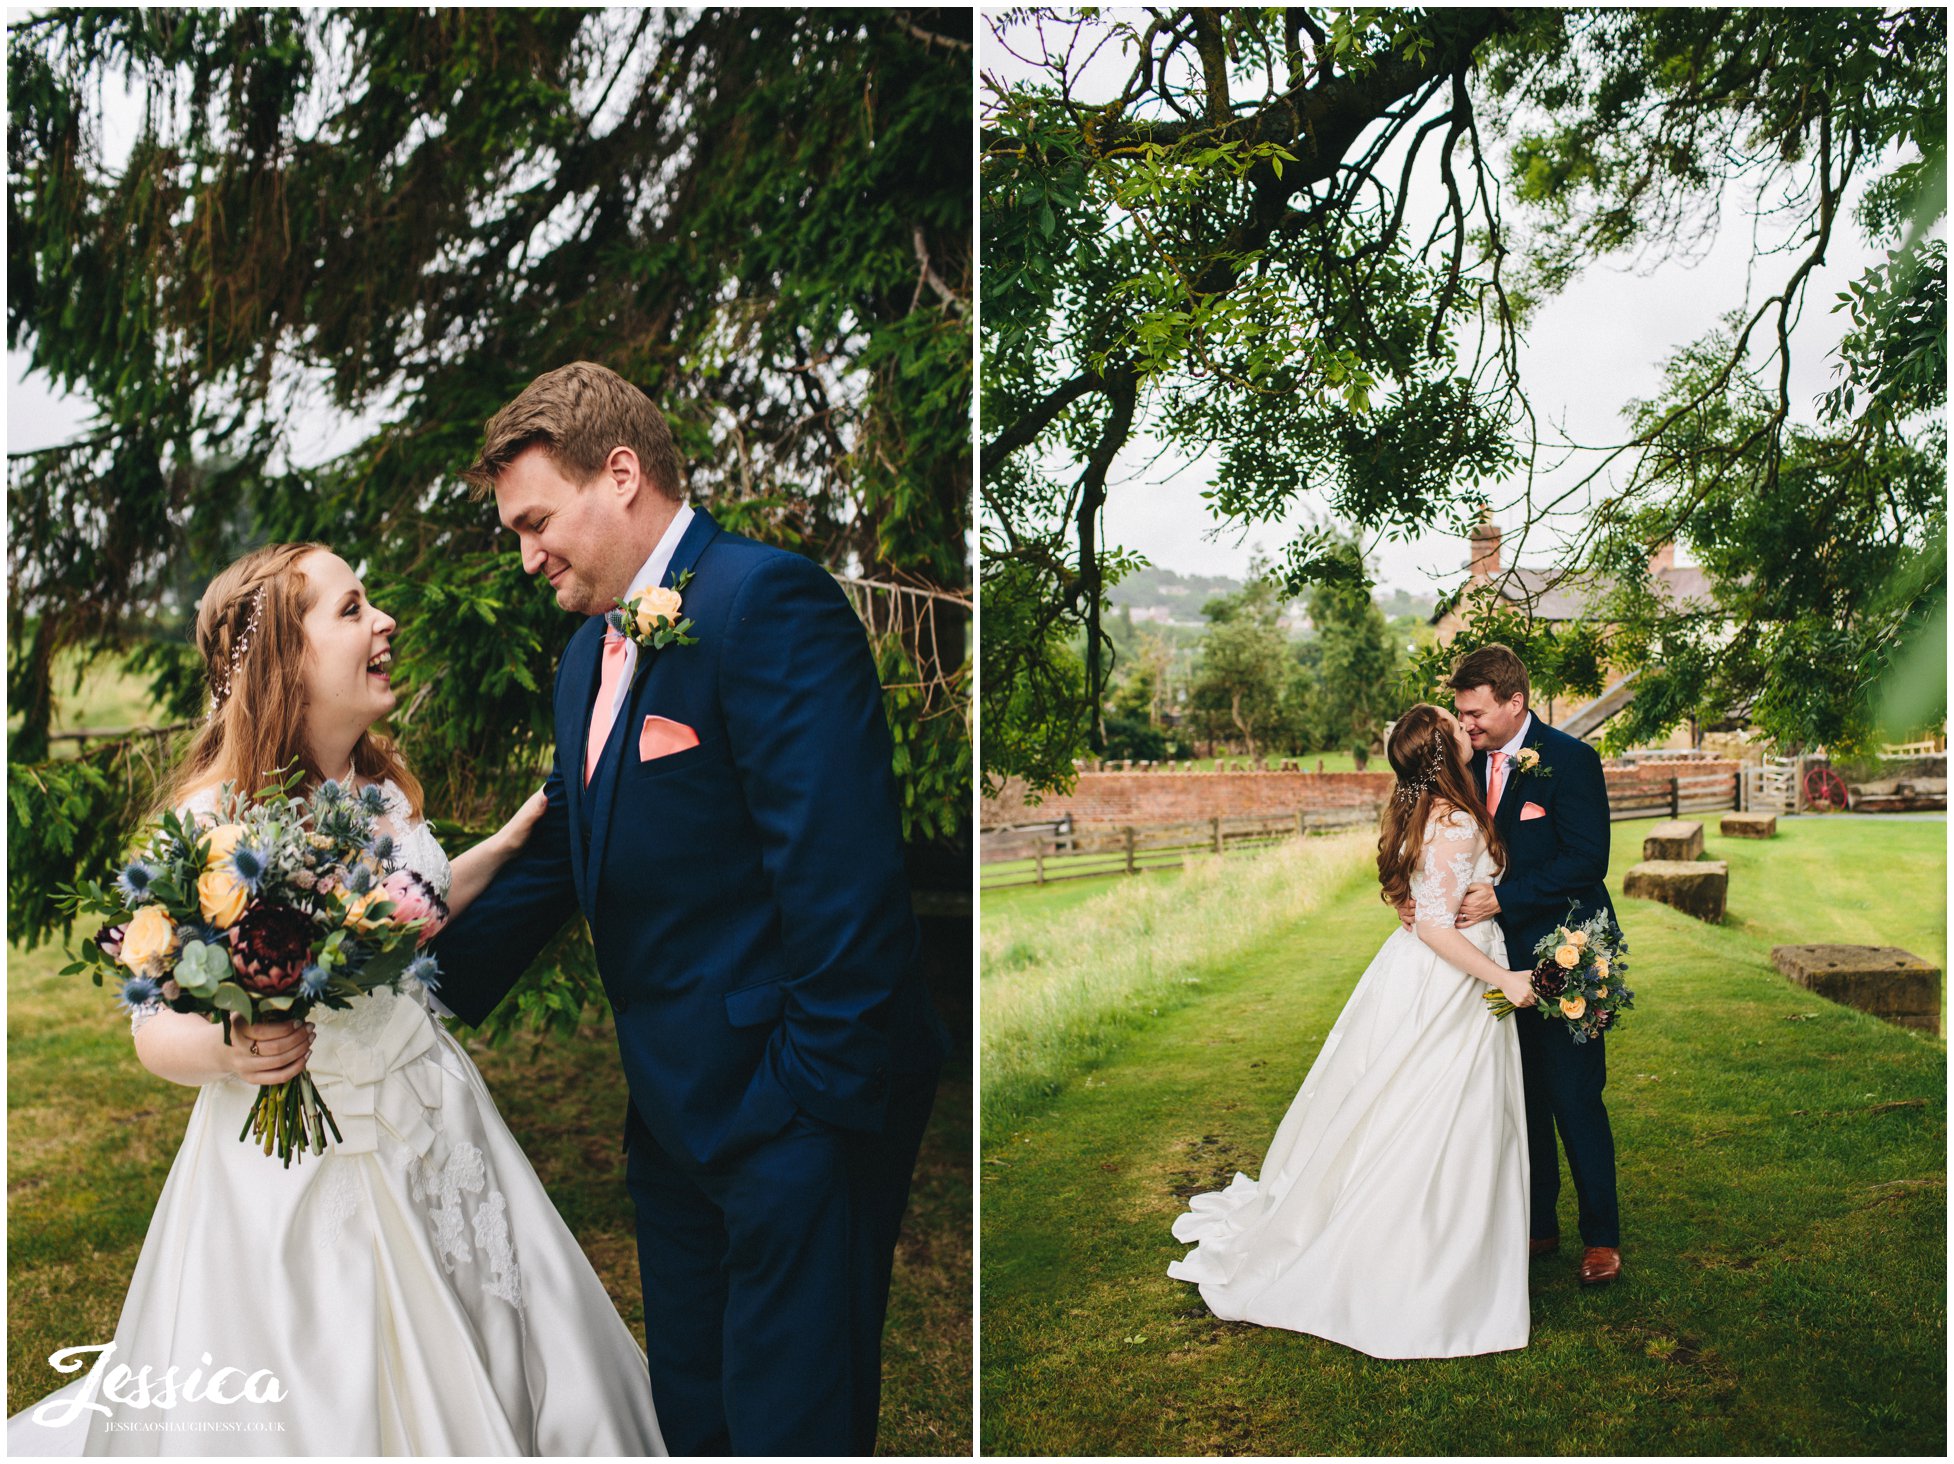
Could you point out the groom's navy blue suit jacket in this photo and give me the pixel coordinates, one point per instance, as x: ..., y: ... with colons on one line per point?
x: 747, y: 896
x: 1556, y: 858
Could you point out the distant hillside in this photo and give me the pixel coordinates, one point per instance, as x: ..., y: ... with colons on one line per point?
x: 1162, y: 596
x: 1398, y: 603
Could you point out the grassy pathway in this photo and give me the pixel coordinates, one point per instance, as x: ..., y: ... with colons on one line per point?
x: 91, y: 1136
x: 1782, y: 1179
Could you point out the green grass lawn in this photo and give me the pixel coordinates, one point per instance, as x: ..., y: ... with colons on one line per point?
x: 1781, y: 1164
x: 91, y: 1136
x: 101, y: 697
x: 1050, y: 899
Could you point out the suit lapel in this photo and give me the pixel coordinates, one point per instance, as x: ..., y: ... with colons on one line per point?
x: 1507, y: 818
x: 603, y: 785
x: 1513, y: 799
x: 582, y: 661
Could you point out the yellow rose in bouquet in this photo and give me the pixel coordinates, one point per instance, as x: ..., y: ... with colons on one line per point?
x: 223, y: 841
x: 149, y: 941
x: 357, y: 907
x: 221, y: 898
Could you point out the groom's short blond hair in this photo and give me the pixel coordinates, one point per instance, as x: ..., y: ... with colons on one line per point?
x: 1494, y: 667
x: 580, y: 414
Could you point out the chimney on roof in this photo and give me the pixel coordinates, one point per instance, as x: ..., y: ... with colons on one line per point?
x: 1663, y: 559
x: 1484, y: 563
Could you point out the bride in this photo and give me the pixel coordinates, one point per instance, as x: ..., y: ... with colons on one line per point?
x: 1391, y: 1213
x: 411, y: 1291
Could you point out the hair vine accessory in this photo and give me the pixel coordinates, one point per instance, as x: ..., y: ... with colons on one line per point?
x: 220, y: 689
x: 1409, y: 793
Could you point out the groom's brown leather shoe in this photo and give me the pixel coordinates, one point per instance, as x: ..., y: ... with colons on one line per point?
x: 1538, y: 1247
x: 1600, y: 1264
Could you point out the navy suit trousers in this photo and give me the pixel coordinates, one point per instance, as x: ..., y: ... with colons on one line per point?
x: 1563, y: 1081
x: 766, y: 1279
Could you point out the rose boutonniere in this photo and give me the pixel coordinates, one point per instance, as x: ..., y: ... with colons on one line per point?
x: 654, y: 616
x: 1527, y: 760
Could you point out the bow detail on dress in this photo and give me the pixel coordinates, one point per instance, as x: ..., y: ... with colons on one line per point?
x: 355, y: 1050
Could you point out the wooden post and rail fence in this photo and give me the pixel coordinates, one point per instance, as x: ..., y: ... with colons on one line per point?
x: 1059, y: 849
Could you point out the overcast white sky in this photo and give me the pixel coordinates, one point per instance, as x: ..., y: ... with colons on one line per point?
x: 1589, y: 351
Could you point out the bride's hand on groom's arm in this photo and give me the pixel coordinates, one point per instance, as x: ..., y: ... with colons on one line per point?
x: 515, y: 833
x: 474, y: 870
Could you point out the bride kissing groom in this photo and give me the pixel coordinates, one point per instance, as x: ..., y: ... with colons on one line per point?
x: 1497, y: 827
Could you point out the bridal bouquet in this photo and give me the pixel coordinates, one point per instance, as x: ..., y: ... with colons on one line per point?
x: 1579, y: 978
x: 287, y: 904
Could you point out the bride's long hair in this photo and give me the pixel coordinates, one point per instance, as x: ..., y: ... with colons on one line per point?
x: 251, y: 633
x: 1425, y: 755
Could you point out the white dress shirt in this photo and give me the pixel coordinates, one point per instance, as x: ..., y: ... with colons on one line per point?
x: 650, y: 576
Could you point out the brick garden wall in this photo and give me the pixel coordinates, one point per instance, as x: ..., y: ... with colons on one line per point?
x: 1159, y: 797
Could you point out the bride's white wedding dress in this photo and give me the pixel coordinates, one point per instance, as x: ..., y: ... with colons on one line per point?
x: 412, y: 1290
x: 1391, y: 1213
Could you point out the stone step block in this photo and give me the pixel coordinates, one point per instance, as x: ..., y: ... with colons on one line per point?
x: 1748, y: 826
x: 1698, y: 887
x: 1889, y: 983
x: 1674, y: 838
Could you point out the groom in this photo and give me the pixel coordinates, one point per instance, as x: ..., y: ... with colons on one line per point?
x: 1550, y: 805
x: 723, y: 814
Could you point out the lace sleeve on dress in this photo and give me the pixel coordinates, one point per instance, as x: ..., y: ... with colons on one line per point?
x: 1452, y: 844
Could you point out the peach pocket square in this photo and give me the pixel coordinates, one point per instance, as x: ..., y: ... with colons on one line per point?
x: 661, y: 737
x: 1531, y: 810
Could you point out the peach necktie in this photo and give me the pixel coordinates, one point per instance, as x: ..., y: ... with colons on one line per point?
x: 604, y: 715
x: 1495, y: 782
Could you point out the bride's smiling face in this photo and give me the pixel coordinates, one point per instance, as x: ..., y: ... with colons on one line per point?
x: 348, y: 648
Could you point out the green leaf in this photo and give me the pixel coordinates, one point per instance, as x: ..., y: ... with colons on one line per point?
x: 200, y: 967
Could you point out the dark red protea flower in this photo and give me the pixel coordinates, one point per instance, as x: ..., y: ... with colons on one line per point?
x: 270, y: 947
x: 1604, y: 1021
x: 1549, y: 979
x: 109, y: 938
